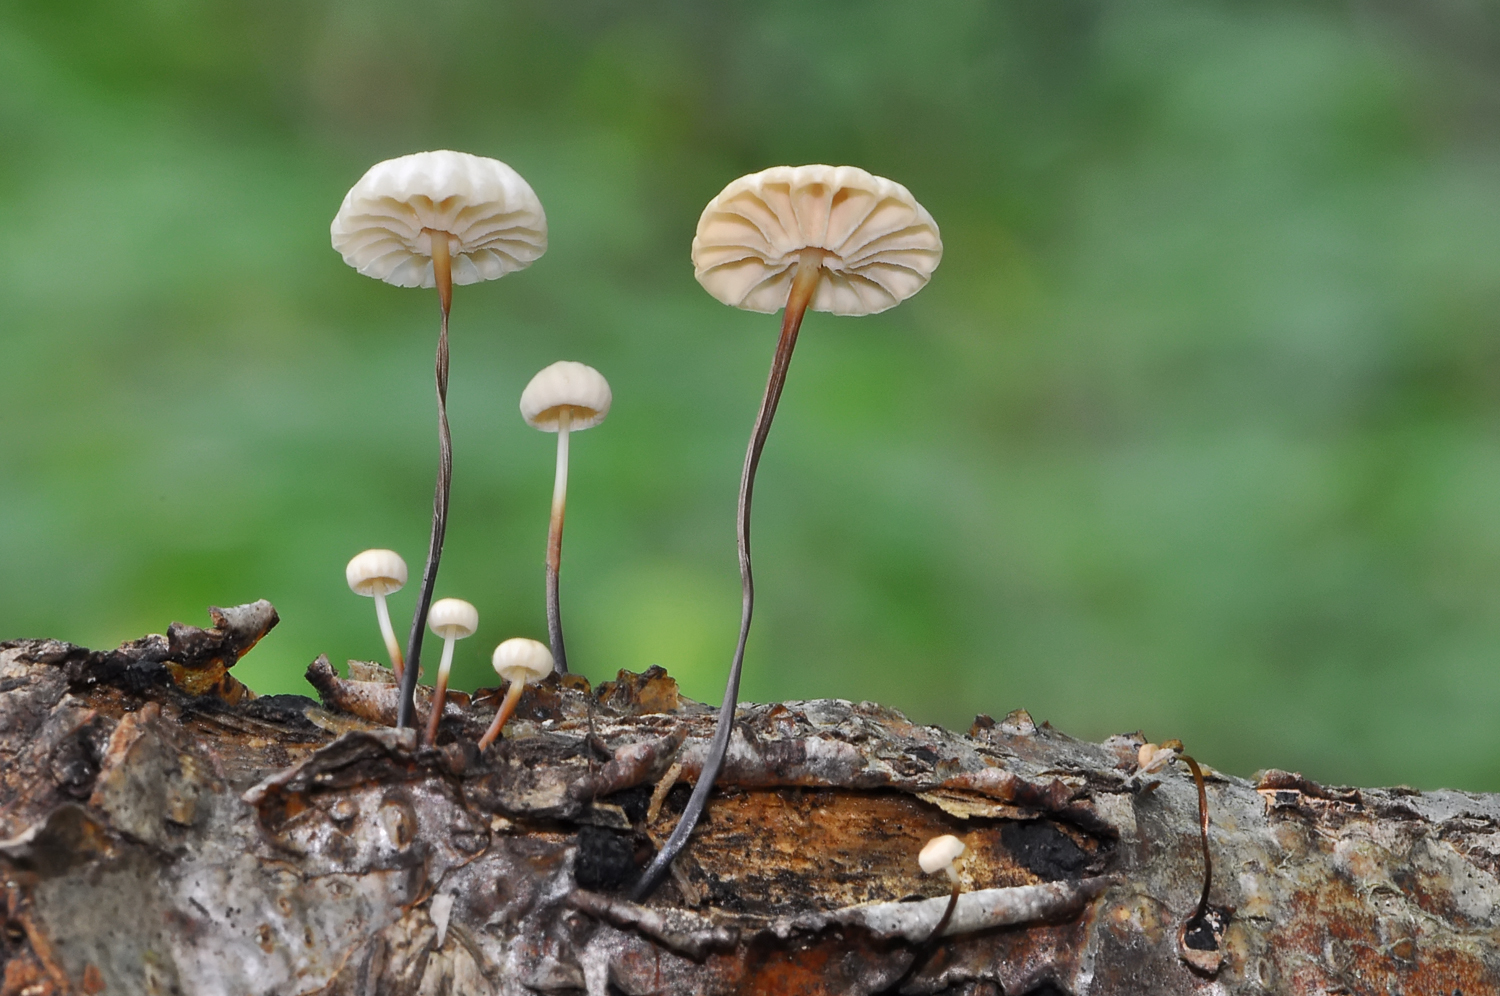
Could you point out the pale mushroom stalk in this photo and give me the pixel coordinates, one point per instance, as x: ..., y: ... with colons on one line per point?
x: 809, y: 269
x: 383, y: 613
x: 439, y: 693
x: 507, y: 709
x: 554, y: 542
x: 453, y: 619
x: 443, y: 273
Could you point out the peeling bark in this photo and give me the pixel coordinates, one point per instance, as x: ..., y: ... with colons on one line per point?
x: 165, y: 830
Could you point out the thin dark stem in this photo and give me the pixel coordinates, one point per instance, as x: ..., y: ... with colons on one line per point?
x: 406, y: 705
x: 1208, y: 861
x: 809, y: 268
x: 927, y: 947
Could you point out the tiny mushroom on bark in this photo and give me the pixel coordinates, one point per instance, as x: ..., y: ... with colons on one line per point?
x: 376, y: 574
x: 435, y: 219
x: 562, y: 398
x: 452, y: 619
x: 521, y: 662
x: 829, y: 238
x: 939, y: 854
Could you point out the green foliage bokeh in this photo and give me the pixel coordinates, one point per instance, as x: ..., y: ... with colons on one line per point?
x: 1195, y: 429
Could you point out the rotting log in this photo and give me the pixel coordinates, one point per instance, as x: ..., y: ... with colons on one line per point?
x: 167, y: 831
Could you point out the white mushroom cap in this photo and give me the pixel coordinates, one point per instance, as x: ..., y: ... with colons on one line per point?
x: 523, y: 660
x: 495, y: 223
x: 880, y: 246
x: 453, y: 618
x: 940, y: 852
x: 376, y: 572
x: 577, y: 385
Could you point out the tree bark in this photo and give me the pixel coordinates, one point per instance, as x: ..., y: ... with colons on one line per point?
x: 167, y: 831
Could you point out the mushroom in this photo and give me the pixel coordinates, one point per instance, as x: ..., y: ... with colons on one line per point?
x: 453, y: 619
x: 939, y: 854
x: 376, y: 574
x: 563, y: 397
x: 435, y: 219
x: 521, y: 662
x: 829, y: 238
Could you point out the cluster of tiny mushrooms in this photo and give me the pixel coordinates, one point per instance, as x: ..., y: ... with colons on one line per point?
x: 790, y: 238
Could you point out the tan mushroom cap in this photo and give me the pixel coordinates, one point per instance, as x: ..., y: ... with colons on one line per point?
x: 494, y: 222
x: 523, y: 660
x: 880, y: 246
x: 576, y: 386
x: 376, y: 572
x: 940, y: 852
x: 453, y: 618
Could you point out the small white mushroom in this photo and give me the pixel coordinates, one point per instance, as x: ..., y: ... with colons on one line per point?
x: 829, y: 238
x: 939, y: 854
x: 376, y: 574
x: 562, y: 398
x: 521, y: 662
x: 434, y: 219
x: 452, y: 619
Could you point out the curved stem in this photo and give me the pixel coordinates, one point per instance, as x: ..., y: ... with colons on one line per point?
x: 441, y: 266
x: 554, y: 542
x: 512, y: 696
x: 383, y: 613
x: 440, y: 693
x: 809, y: 269
x: 1208, y: 861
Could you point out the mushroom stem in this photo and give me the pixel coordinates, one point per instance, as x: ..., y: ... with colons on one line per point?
x: 440, y: 693
x: 383, y: 613
x: 804, y: 282
x: 512, y: 696
x: 1208, y: 861
x: 554, y: 541
x: 441, y: 267
x: 442, y: 270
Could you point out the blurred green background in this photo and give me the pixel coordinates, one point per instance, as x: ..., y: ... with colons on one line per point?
x: 1196, y: 429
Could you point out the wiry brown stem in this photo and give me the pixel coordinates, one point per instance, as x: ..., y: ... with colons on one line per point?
x: 442, y: 270
x: 554, y: 543
x: 512, y: 696
x: 809, y: 269
x: 1208, y: 861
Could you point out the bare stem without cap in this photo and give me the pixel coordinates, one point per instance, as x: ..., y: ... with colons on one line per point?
x: 439, y: 694
x: 809, y: 269
x: 512, y: 696
x: 554, y: 541
x: 442, y: 271
x: 383, y: 613
x: 1208, y: 861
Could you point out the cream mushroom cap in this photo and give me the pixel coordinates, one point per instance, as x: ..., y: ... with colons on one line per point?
x: 940, y: 853
x: 565, y: 383
x: 523, y: 660
x: 376, y: 572
x: 494, y: 221
x: 453, y: 618
x: 880, y: 246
